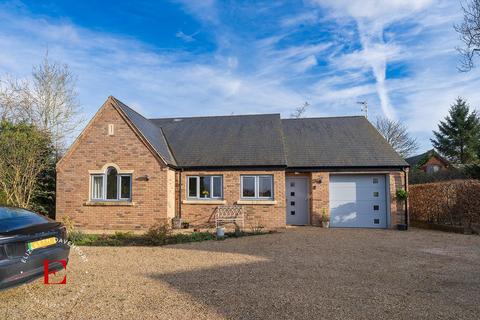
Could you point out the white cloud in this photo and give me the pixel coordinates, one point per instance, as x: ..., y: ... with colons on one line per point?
x: 185, y: 37
x: 205, y: 10
x: 307, y: 63
x: 159, y: 83
x: 303, y: 18
x: 376, y: 9
x: 372, y: 16
x: 270, y: 74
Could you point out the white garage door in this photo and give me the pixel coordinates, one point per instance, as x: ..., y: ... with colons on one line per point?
x: 358, y: 201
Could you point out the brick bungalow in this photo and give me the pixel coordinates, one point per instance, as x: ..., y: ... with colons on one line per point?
x: 126, y: 172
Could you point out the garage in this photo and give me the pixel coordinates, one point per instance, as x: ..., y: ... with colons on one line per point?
x: 358, y: 201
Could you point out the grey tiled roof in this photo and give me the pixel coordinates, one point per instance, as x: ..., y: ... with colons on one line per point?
x: 151, y: 132
x: 265, y: 140
x: 250, y: 140
x: 414, y: 161
x: 420, y: 159
x: 337, y: 142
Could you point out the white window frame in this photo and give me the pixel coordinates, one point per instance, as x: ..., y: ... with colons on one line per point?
x: 432, y: 168
x: 257, y: 187
x: 104, y: 185
x: 119, y: 184
x: 92, y: 183
x: 197, y: 178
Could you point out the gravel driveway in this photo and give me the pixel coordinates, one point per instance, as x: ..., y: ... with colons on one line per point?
x: 303, y: 273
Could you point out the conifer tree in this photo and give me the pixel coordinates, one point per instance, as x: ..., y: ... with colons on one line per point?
x: 458, y: 135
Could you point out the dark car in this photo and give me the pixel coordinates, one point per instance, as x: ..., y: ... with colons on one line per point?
x: 27, y: 240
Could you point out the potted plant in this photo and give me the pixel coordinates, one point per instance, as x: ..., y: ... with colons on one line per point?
x: 205, y: 194
x: 402, y: 196
x: 176, y: 222
x: 185, y: 224
x: 325, y: 219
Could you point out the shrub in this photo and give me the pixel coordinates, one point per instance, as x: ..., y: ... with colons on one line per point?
x: 68, y: 222
x: 454, y: 202
x: 76, y: 236
x: 257, y: 228
x: 402, y: 194
x: 157, y: 234
x: 325, y: 217
x: 416, y: 176
x: 192, y: 237
x: 124, y: 235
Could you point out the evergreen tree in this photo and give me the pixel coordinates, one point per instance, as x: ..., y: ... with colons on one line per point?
x: 458, y: 135
x: 27, y: 167
x: 44, y: 196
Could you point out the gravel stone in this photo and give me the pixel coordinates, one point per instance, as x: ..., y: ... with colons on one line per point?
x: 302, y: 273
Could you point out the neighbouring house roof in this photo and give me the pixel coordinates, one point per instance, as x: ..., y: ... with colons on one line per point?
x: 265, y: 140
x: 421, y: 159
x: 337, y: 142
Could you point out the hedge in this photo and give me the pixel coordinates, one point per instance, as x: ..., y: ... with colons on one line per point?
x: 455, y: 202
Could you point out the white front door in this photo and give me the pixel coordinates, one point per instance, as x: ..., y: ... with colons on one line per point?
x: 297, y: 200
x: 358, y: 201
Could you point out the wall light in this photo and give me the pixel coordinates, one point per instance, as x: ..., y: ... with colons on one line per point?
x: 143, y: 178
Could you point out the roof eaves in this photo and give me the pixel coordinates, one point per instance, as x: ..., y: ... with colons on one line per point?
x: 169, y: 148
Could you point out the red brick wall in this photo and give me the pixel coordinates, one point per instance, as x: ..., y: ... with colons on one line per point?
x: 92, y: 151
x: 397, y: 208
x: 271, y: 216
x: 320, y: 199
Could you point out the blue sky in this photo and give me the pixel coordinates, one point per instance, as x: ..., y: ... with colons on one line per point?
x: 187, y: 58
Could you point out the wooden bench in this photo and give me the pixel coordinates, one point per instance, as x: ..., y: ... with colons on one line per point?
x: 230, y: 214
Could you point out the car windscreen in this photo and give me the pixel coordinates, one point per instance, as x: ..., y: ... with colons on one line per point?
x: 14, y: 218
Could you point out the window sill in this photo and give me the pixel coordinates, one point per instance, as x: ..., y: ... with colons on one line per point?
x: 257, y: 201
x: 110, y: 203
x: 204, y: 201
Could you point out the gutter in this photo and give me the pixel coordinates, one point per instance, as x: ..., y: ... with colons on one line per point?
x: 346, y: 169
x: 180, y: 194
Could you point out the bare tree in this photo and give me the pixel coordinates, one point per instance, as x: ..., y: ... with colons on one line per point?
x: 300, y: 111
x: 55, y: 104
x: 397, y: 136
x: 469, y: 31
x: 48, y: 100
x: 12, y: 99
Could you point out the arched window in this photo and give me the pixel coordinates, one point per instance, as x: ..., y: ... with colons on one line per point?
x: 112, y: 183
x: 111, y: 186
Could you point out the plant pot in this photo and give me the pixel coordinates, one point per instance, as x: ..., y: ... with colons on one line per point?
x: 176, y: 223
x: 220, y: 232
x: 325, y: 224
